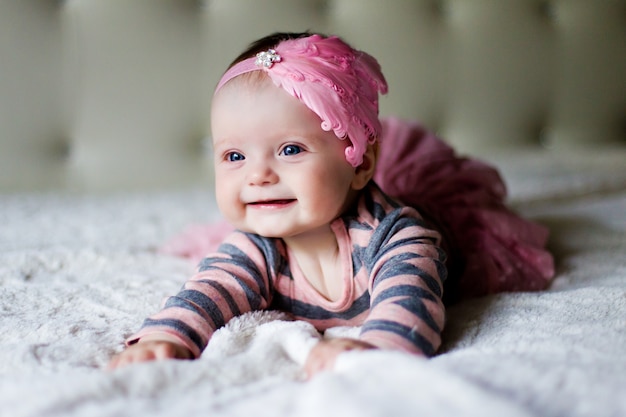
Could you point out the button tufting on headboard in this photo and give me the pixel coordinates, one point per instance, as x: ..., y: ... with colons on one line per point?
x: 110, y: 94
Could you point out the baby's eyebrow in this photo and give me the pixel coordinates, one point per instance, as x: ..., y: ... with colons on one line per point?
x: 305, y: 135
x: 217, y: 143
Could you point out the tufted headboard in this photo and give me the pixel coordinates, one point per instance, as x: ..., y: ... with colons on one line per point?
x: 114, y: 94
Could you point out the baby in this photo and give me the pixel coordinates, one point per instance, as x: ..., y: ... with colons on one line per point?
x: 296, y: 139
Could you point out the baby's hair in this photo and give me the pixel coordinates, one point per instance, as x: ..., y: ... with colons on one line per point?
x: 269, y: 42
x: 261, y: 45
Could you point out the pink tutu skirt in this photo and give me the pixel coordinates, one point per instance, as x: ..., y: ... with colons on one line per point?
x: 490, y: 248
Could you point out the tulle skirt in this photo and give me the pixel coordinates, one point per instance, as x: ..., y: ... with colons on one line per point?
x: 490, y: 248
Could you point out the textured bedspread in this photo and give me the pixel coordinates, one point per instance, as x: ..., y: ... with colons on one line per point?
x: 79, y: 273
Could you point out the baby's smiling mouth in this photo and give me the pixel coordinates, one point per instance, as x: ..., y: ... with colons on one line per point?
x: 272, y: 203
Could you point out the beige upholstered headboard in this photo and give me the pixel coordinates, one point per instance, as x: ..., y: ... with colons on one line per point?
x: 114, y: 94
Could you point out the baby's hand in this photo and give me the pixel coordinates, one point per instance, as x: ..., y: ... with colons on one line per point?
x: 150, y: 350
x: 323, y: 355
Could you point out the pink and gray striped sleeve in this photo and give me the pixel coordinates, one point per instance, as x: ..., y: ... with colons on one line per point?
x: 235, y: 280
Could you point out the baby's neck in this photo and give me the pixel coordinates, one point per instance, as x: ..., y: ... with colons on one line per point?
x: 319, y: 259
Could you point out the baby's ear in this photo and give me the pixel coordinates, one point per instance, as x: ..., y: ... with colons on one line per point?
x: 365, y: 171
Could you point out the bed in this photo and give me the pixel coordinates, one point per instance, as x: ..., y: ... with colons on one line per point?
x: 99, y: 167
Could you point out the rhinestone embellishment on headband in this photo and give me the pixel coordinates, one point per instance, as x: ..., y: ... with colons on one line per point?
x: 267, y: 58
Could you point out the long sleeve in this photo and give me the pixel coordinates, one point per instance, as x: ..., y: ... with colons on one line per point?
x: 406, y: 269
x: 236, y: 279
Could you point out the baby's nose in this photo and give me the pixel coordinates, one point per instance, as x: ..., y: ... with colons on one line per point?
x: 262, y: 174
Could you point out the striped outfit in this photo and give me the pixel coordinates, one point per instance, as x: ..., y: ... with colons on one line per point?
x: 392, y: 267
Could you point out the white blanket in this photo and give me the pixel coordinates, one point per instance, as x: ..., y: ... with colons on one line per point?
x: 78, y: 273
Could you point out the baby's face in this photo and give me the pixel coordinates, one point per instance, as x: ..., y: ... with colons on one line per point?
x: 277, y: 173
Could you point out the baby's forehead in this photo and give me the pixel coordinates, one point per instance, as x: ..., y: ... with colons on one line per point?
x: 234, y: 95
x: 255, y: 93
x: 247, y: 91
x: 249, y: 82
x: 231, y: 100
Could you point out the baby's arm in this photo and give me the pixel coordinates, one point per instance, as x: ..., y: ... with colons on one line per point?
x: 149, y: 348
x: 406, y: 310
x: 231, y: 282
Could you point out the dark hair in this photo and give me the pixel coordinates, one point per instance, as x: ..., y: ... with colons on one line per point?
x: 269, y: 42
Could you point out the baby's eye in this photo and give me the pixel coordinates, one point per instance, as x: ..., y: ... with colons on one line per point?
x: 234, y: 157
x: 291, y: 150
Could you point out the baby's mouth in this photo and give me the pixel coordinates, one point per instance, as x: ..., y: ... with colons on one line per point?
x: 272, y: 203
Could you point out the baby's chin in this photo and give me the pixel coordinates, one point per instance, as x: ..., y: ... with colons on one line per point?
x: 256, y: 231
x: 267, y: 234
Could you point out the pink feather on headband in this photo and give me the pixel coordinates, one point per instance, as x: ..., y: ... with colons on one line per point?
x: 335, y: 81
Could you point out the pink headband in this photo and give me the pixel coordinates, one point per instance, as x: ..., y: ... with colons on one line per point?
x: 336, y: 82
